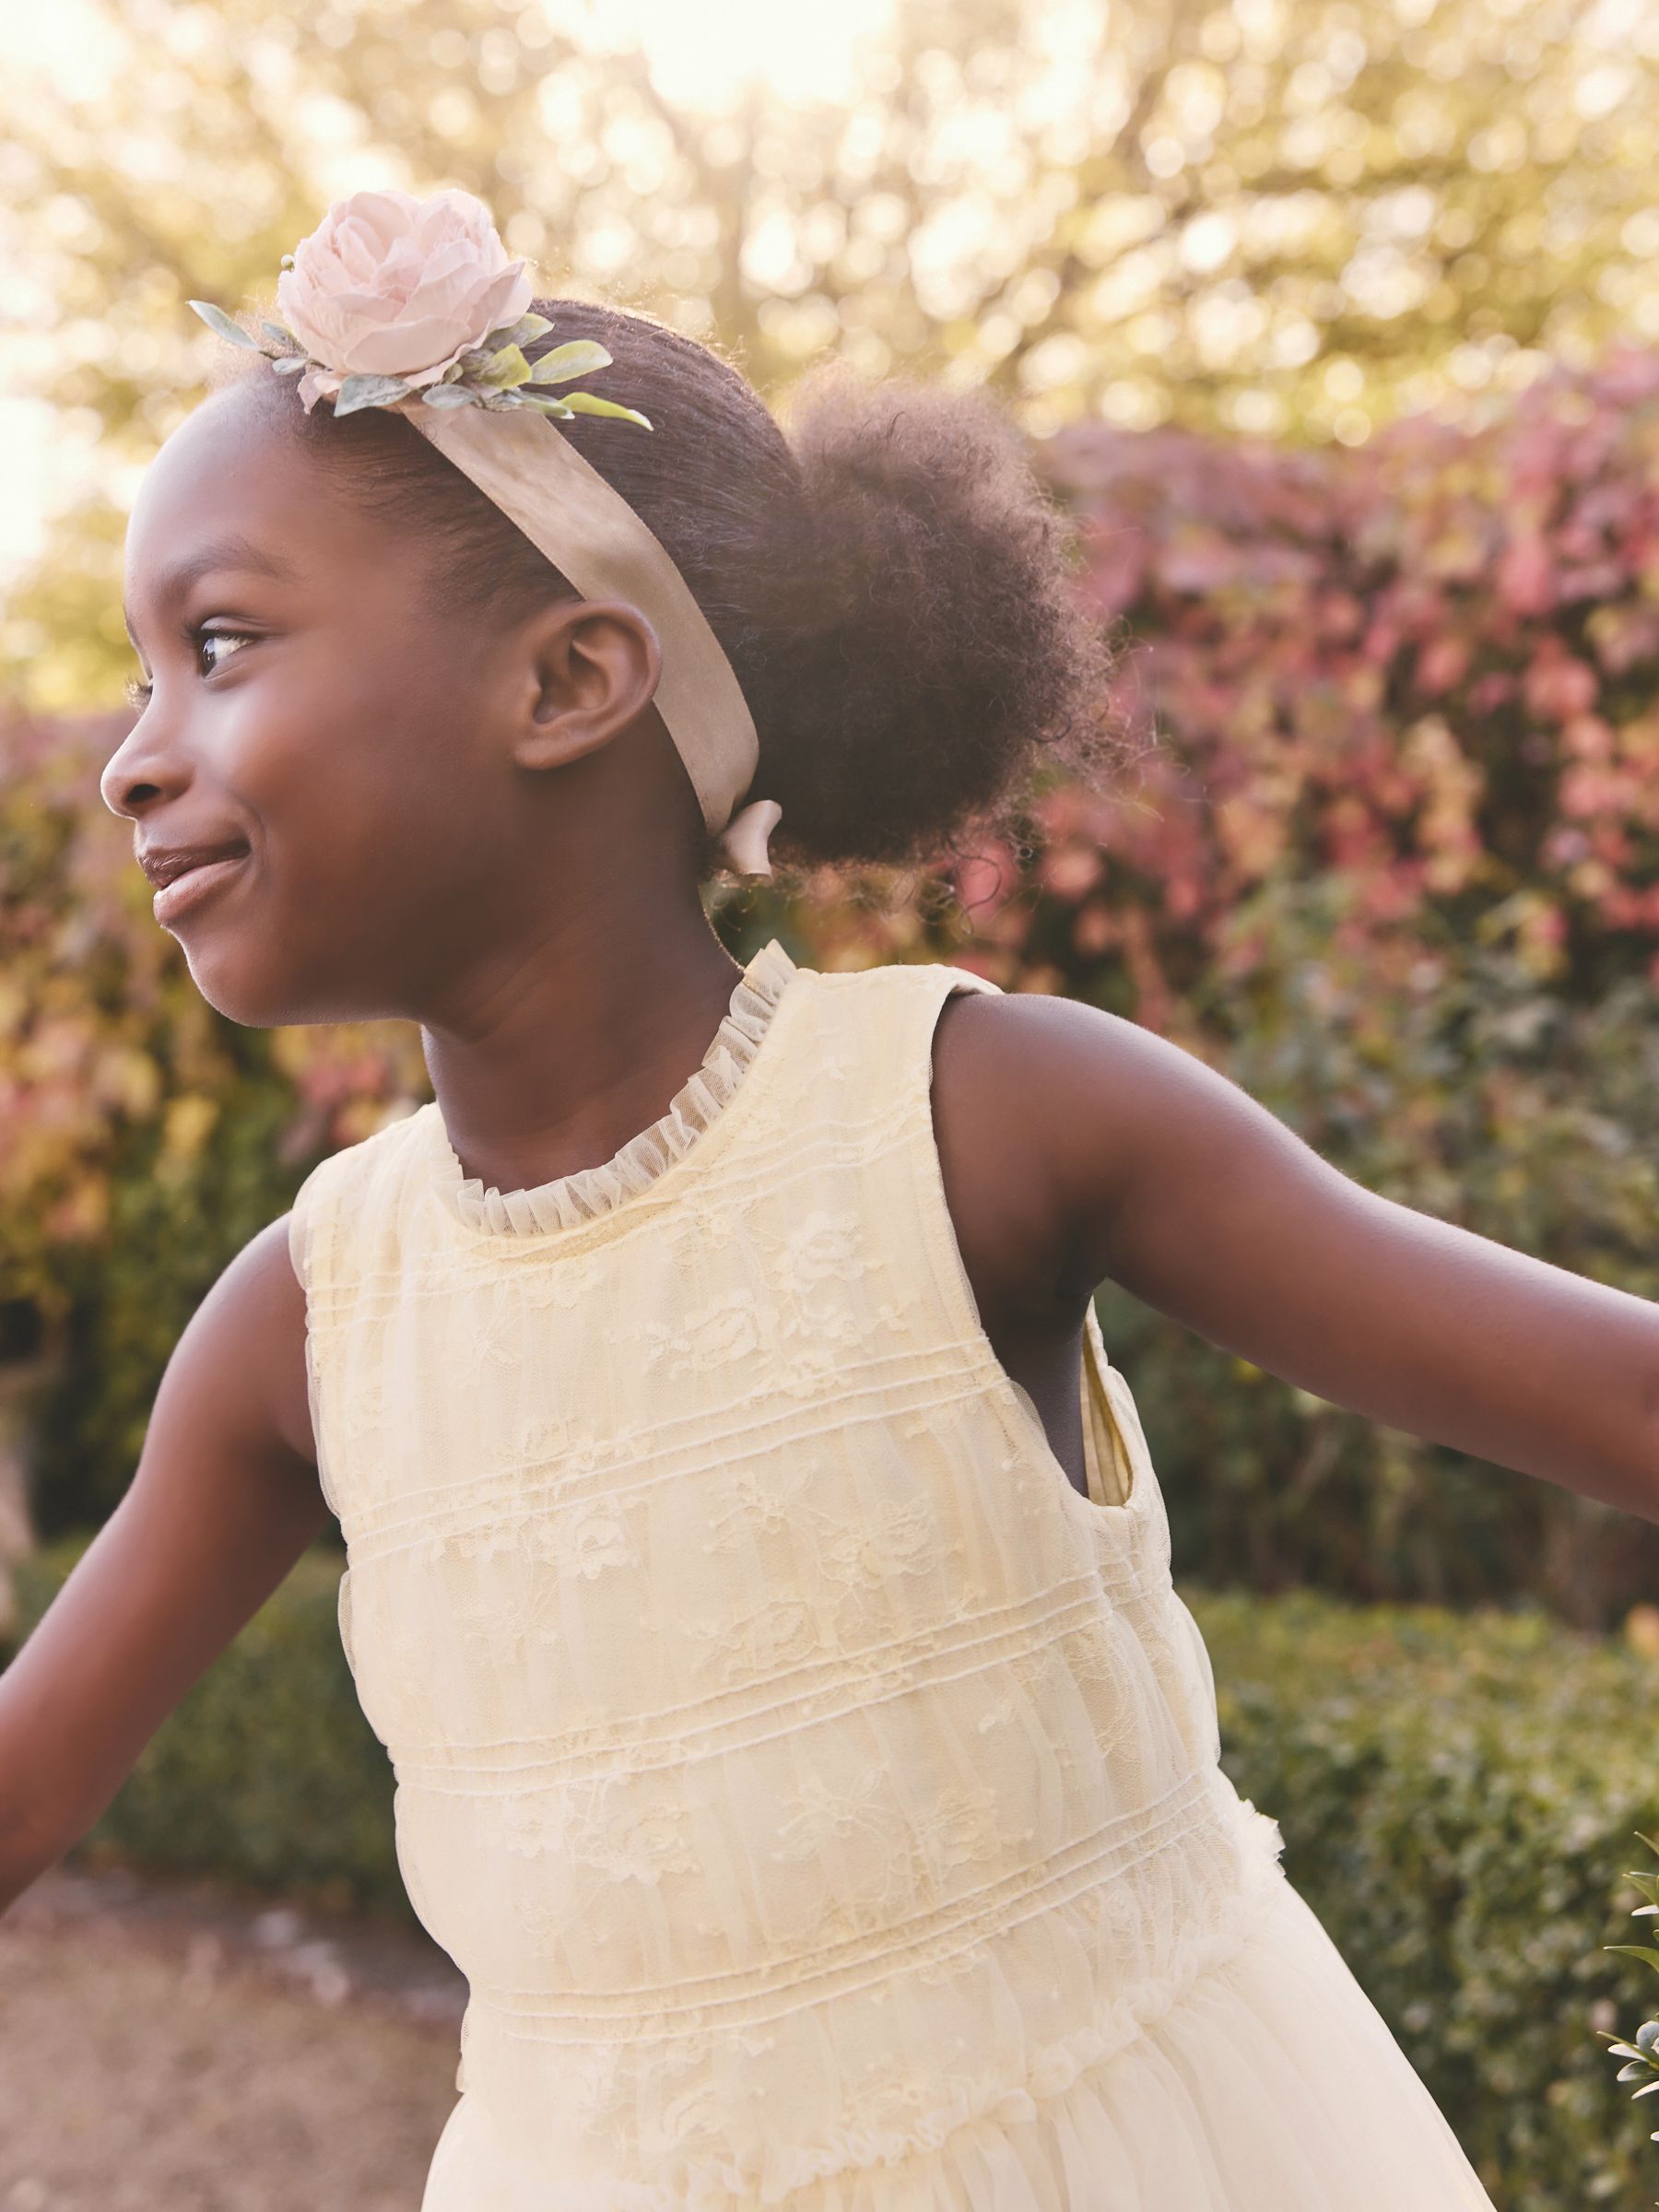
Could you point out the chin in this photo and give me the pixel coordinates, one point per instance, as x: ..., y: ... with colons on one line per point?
x: 252, y: 1001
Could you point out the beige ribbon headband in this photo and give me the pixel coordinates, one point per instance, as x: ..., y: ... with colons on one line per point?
x: 592, y: 536
x: 417, y: 305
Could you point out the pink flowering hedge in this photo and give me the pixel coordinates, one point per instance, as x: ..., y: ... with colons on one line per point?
x: 1429, y: 667
x: 1387, y: 852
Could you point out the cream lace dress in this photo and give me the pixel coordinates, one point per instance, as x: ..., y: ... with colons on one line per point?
x: 819, y: 1793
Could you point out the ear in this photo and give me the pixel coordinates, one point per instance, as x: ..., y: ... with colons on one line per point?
x: 591, y: 668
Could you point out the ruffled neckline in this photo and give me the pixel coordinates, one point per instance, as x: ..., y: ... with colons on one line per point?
x: 583, y: 1196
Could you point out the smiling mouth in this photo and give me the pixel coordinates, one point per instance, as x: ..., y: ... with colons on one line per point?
x: 187, y: 891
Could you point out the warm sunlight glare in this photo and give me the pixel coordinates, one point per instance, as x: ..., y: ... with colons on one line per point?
x: 703, y: 55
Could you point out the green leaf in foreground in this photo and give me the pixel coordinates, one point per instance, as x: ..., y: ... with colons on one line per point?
x: 506, y: 368
x: 369, y: 392
x: 217, y: 319
x: 589, y: 402
x: 561, y: 362
x: 514, y: 333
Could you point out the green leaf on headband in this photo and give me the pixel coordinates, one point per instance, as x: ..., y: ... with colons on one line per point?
x: 506, y: 368
x: 288, y: 364
x: 549, y: 405
x: 217, y: 320
x: 369, y: 392
x: 449, y: 396
x: 285, y: 338
x: 515, y: 333
x: 590, y: 403
x: 563, y: 362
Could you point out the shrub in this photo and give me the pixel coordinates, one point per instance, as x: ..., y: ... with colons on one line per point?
x: 266, y: 1774
x: 1454, y: 1791
x: 1641, y: 2057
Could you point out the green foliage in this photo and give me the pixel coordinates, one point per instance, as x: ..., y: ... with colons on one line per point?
x: 267, y: 1773
x: 1642, y: 2058
x: 174, y: 1227
x: 1453, y: 1791
x: 1454, y: 1082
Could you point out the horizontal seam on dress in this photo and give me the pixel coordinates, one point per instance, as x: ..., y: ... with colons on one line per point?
x: 694, y: 1705
x: 1073, y: 1615
x: 635, y: 2008
x: 539, y: 1496
x: 1048, y: 2079
x: 639, y: 1442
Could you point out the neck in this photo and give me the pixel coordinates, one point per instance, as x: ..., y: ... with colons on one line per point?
x: 548, y: 1058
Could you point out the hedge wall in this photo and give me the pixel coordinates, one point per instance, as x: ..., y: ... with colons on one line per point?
x: 1459, y: 1796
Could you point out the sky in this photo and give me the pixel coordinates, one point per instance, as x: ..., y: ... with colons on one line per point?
x: 700, y: 55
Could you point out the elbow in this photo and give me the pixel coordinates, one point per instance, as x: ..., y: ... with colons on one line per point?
x: 34, y: 1835
x: 22, y: 1863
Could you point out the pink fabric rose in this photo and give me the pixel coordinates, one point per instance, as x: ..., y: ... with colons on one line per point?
x: 388, y: 284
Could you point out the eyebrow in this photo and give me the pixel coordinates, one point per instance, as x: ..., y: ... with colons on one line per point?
x: 232, y: 552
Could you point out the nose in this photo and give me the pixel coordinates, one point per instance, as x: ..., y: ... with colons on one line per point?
x: 135, y: 773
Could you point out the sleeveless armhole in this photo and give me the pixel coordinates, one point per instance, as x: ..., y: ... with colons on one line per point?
x: 301, y: 1232
x: 309, y: 1242
x: 1113, y: 1447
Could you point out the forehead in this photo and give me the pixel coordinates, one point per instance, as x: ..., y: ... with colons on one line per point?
x: 233, y: 489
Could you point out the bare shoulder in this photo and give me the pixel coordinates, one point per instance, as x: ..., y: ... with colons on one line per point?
x: 1061, y: 1038
x: 1004, y: 1068
x: 250, y: 1329
x: 1082, y: 1117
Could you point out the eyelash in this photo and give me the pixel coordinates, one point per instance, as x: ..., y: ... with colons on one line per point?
x: 139, y: 692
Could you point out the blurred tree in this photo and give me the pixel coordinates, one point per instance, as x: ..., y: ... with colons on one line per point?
x: 1258, y: 216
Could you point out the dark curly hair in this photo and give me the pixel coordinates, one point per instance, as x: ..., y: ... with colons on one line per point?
x: 889, y: 579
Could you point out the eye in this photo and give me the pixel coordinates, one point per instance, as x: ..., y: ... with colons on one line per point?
x: 200, y: 638
x: 139, y: 692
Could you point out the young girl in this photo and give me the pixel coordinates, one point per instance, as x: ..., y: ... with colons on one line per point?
x: 755, y: 1567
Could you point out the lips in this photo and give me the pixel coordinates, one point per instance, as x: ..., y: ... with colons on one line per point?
x: 184, y: 892
x: 167, y: 866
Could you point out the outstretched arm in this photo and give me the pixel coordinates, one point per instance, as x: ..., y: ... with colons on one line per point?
x: 224, y: 1498
x: 1166, y: 1177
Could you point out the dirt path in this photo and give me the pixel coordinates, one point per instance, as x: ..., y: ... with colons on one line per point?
x: 164, y: 2049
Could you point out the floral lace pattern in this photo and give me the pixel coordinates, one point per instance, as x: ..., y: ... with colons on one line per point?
x: 809, y: 1780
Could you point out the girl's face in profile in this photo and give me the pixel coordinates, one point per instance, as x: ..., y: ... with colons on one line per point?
x: 308, y: 712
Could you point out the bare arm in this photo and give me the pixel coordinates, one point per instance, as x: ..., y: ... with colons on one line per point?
x: 224, y: 1500
x: 1163, y: 1175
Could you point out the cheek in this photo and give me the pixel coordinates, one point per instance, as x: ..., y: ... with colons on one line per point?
x: 348, y: 754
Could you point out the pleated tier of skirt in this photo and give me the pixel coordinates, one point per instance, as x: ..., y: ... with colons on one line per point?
x: 1272, y: 2084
